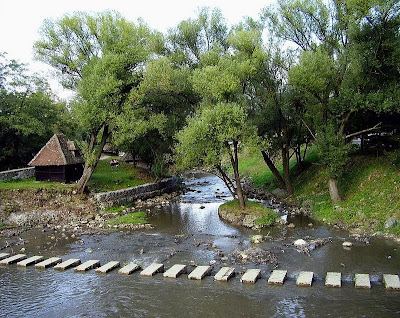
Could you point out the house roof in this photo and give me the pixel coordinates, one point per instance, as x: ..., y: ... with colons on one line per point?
x: 58, y: 151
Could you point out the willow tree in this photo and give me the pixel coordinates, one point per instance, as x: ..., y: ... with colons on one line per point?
x: 102, y: 58
x: 212, y: 135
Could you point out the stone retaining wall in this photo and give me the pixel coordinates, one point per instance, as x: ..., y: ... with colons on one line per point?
x: 23, y: 173
x: 143, y: 192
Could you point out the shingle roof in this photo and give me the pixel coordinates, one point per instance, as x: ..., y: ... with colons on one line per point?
x: 58, y: 151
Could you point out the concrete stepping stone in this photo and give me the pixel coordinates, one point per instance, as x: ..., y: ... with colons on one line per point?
x: 362, y: 281
x: 30, y: 261
x: 199, y: 272
x: 152, y: 269
x: 391, y: 281
x: 251, y: 276
x: 48, y: 262
x: 72, y: 262
x: 4, y: 255
x: 277, y: 277
x: 107, y: 267
x: 333, y: 279
x: 12, y: 259
x: 175, y: 271
x: 305, y: 278
x: 224, y: 274
x: 129, y: 269
x: 93, y: 263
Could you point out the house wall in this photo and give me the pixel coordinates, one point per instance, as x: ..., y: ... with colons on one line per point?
x: 142, y: 192
x: 23, y: 173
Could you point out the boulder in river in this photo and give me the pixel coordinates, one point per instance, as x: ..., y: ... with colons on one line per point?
x: 256, y: 239
x: 300, y: 243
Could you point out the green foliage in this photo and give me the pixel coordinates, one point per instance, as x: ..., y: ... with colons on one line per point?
x: 1, y: 224
x: 205, y: 140
x: 108, y: 178
x: 138, y: 217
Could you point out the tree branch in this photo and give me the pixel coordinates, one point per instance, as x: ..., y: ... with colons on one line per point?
x: 363, y: 131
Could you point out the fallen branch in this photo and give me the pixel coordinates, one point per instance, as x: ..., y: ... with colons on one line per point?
x: 363, y: 131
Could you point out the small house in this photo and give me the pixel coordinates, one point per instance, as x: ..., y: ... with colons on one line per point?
x: 59, y: 160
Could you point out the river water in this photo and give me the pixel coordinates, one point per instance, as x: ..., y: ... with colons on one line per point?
x: 190, y: 232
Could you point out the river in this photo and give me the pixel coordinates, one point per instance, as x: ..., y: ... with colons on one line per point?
x: 190, y: 232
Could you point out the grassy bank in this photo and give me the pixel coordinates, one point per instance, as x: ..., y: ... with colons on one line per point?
x: 138, y: 217
x: 370, y: 189
x: 105, y: 178
x: 263, y: 215
x: 108, y: 178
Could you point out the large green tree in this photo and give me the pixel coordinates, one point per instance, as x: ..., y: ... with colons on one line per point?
x: 102, y: 57
x: 29, y: 115
x: 212, y: 135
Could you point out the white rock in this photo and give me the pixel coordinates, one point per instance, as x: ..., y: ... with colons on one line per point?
x: 347, y: 244
x: 300, y: 243
x: 256, y: 239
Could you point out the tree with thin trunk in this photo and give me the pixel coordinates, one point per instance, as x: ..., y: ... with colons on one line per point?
x: 101, y: 57
x: 212, y: 139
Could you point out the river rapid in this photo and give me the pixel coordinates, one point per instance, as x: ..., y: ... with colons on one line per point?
x: 190, y: 232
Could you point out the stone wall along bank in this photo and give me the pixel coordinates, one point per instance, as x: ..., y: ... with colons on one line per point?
x: 23, y: 173
x: 142, y: 192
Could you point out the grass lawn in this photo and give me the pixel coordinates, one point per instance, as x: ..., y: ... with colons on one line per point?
x: 130, y: 218
x: 266, y: 216
x: 31, y: 183
x: 108, y: 178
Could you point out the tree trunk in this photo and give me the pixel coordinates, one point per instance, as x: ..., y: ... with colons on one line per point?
x: 90, y: 166
x: 239, y: 190
x: 334, y: 190
x: 273, y: 169
x: 286, y: 172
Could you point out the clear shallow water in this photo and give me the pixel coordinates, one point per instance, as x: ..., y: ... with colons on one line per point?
x: 192, y: 232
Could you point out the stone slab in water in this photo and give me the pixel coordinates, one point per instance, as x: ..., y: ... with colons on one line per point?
x: 72, y: 262
x: 224, y: 274
x: 4, y: 255
x: 277, y: 277
x: 362, y: 281
x: 199, y: 272
x: 48, y: 262
x: 152, y: 269
x: 251, y: 276
x: 391, y: 281
x: 107, y: 267
x: 129, y: 269
x: 93, y: 263
x: 175, y: 271
x: 333, y: 279
x: 30, y: 261
x: 305, y: 278
x: 12, y: 259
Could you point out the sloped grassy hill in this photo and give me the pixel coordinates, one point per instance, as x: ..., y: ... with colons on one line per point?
x: 370, y: 189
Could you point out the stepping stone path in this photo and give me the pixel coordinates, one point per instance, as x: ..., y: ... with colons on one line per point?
x: 48, y: 262
x: 224, y: 274
x: 305, y: 279
x: 30, y: 261
x: 333, y: 279
x: 129, y: 269
x: 391, y: 281
x: 94, y: 263
x: 72, y: 262
x: 3, y: 255
x: 107, y: 267
x: 12, y: 259
x: 251, y: 276
x: 199, y: 272
x: 362, y: 281
x: 277, y: 277
x: 152, y: 269
x: 175, y: 271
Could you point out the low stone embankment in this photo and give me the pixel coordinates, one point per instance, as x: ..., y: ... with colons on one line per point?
x: 142, y: 192
x: 23, y: 173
